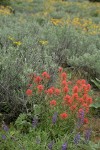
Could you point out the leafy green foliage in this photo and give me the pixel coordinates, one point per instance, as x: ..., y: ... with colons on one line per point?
x: 40, y: 140
x: 96, y: 104
x: 95, y: 107
x: 96, y: 82
x: 23, y: 123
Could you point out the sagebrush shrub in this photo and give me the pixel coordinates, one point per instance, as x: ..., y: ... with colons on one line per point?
x: 17, y: 61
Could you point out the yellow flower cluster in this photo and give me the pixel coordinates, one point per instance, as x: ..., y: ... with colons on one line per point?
x: 43, y: 42
x: 79, y: 23
x: 85, y: 25
x: 5, y: 10
x: 16, y: 43
x: 57, y: 21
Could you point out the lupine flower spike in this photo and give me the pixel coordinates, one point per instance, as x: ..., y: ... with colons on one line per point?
x: 87, y: 135
x: 64, y: 146
x: 77, y: 138
x: 54, y: 118
x: 50, y: 145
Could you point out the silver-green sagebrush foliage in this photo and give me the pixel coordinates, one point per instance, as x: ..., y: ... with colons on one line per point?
x: 21, y: 51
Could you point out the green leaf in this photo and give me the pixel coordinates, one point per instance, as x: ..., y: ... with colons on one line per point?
x: 96, y: 82
x: 95, y: 105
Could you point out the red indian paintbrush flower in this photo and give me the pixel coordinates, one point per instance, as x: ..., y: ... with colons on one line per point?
x: 64, y: 115
x: 78, y: 82
x: 80, y: 110
x: 69, y: 102
x: 46, y: 75
x: 83, y: 81
x: 75, y: 89
x: 75, y: 96
x: 28, y: 92
x: 85, y: 89
x: 53, y: 103
x: 50, y: 91
x: 85, y: 105
x: 40, y: 87
x: 85, y: 96
x: 67, y: 97
x: 64, y: 83
x: 88, y: 87
x: 89, y: 100
x: 60, y: 69
x: 57, y: 91
x: 81, y: 100
x: 63, y: 75
x: 86, y: 121
x: 38, y: 79
x: 53, y: 88
x: 73, y: 107
x: 65, y: 89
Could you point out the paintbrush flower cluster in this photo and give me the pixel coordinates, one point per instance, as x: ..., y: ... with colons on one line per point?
x: 67, y: 101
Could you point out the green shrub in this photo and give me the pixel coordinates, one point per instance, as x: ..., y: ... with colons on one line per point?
x: 20, y: 54
x: 5, y: 2
x: 23, y: 123
x: 69, y: 49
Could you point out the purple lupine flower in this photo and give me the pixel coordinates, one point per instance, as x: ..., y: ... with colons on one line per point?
x: 54, y: 118
x: 87, y: 135
x: 35, y: 122
x: 64, y: 146
x: 77, y: 138
x: 80, y: 119
x: 50, y: 145
x: 3, y: 137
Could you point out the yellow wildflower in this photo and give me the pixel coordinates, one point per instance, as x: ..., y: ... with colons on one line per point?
x: 4, y: 10
x: 17, y: 43
x: 43, y: 42
x: 10, y: 38
x: 56, y: 21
